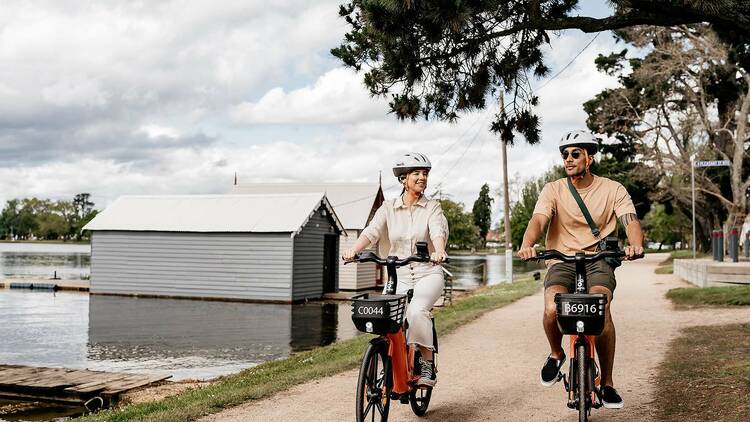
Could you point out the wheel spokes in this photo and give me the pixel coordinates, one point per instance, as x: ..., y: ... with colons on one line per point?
x: 374, y: 390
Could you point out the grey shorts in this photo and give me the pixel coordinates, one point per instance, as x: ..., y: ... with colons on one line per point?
x: 598, y: 273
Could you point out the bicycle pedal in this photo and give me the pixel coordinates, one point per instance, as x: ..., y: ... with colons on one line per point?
x: 394, y: 396
x: 404, y: 399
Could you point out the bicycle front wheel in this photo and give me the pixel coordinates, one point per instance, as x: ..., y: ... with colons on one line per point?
x: 583, y: 387
x: 372, y: 390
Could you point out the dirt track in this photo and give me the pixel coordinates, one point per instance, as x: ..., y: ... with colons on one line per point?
x: 489, y: 369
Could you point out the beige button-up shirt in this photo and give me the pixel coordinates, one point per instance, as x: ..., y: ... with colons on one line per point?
x: 404, y: 226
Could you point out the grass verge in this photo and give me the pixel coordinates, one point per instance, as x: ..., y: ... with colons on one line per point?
x: 271, y: 377
x: 711, y: 296
x: 706, y: 375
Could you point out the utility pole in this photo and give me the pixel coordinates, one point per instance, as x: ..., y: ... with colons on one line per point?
x: 506, y: 205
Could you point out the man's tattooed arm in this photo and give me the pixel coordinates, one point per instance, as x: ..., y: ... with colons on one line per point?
x: 627, y: 219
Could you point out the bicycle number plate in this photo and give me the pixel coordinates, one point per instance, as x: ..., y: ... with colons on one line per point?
x: 580, y: 308
x: 374, y: 309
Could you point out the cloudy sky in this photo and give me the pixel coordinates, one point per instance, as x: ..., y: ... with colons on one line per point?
x: 175, y: 97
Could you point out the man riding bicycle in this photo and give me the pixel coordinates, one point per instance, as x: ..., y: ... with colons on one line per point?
x: 569, y: 232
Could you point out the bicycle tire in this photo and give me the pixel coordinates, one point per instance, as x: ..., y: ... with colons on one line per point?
x: 372, y: 389
x: 582, y: 375
x: 419, y: 398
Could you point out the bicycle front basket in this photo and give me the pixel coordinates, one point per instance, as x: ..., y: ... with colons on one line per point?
x: 378, y: 314
x: 586, y: 309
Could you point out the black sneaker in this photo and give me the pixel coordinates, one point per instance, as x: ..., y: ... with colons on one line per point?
x: 610, y: 398
x: 551, y: 370
x: 427, y: 376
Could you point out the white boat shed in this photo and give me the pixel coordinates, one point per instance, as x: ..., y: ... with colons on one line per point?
x: 355, y: 204
x: 265, y: 247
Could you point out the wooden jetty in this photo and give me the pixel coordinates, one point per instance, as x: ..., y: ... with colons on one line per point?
x: 94, y: 389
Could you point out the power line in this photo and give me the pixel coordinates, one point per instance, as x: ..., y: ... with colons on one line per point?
x: 591, y: 41
x: 567, y: 65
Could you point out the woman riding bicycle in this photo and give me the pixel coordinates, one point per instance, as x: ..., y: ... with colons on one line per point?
x: 403, y: 221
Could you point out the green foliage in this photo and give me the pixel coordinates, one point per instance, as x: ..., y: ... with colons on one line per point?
x: 681, y: 98
x: 711, y: 296
x: 463, y: 233
x: 33, y: 218
x: 482, y: 212
x: 660, y: 226
x: 436, y: 59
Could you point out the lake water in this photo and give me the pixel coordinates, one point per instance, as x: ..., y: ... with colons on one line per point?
x: 468, y: 272
x: 44, y: 260
x: 182, y: 338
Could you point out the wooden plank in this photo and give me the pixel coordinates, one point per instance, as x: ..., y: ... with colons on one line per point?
x: 97, y: 385
x: 8, y: 373
x: 115, y: 389
x: 32, y: 374
x: 60, y: 384
x: 66, y: 379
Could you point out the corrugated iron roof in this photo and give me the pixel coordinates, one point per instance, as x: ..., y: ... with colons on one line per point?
x: 262, y: 213
x: 352, y: 201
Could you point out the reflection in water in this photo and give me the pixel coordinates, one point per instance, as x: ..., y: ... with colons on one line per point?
x: 182, y: 338
x: 43, y: 260
x: 469, y: 271
x: 202, y: 339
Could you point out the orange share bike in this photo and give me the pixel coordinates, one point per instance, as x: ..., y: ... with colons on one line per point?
x: 389, y: 363
x: 580, y: 315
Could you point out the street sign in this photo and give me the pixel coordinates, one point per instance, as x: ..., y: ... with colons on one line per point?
x: 716, y: 163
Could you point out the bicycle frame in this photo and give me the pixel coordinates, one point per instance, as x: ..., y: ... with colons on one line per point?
x: 402, y: 363
x: 581, y: 287
x: 401, y: 379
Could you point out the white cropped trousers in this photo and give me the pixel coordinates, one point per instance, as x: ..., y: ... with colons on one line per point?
x: 428, y: 281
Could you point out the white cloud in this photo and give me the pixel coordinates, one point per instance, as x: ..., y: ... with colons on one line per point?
x: 154, y: 131
x: 337, y: 97
x: 166, y: 97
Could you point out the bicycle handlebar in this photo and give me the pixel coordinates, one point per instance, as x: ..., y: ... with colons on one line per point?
x: 555, y: 254
x: 372, y: 257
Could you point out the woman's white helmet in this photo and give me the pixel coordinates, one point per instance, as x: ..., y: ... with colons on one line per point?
x: 409, y: 162
x: 580, y: 138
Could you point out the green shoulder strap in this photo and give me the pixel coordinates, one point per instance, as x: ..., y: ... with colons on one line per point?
x: 584, y: 210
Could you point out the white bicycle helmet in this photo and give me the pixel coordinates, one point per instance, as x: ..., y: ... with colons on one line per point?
x: 409, y: 162
x: 580, y: 138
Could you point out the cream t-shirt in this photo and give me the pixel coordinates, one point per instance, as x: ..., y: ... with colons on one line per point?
x: 568, y: 230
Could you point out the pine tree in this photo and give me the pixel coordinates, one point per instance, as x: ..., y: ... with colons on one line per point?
x: 482, y: 212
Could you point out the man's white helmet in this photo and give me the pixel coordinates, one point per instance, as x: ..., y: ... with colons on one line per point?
x: 409, y: 162
x: 580, y: 138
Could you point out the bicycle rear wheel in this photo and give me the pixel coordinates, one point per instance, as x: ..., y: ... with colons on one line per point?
x: 372, y: 390
x: 583, y: 387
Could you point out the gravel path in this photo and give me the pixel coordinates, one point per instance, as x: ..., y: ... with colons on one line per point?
x: 489, y: 369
